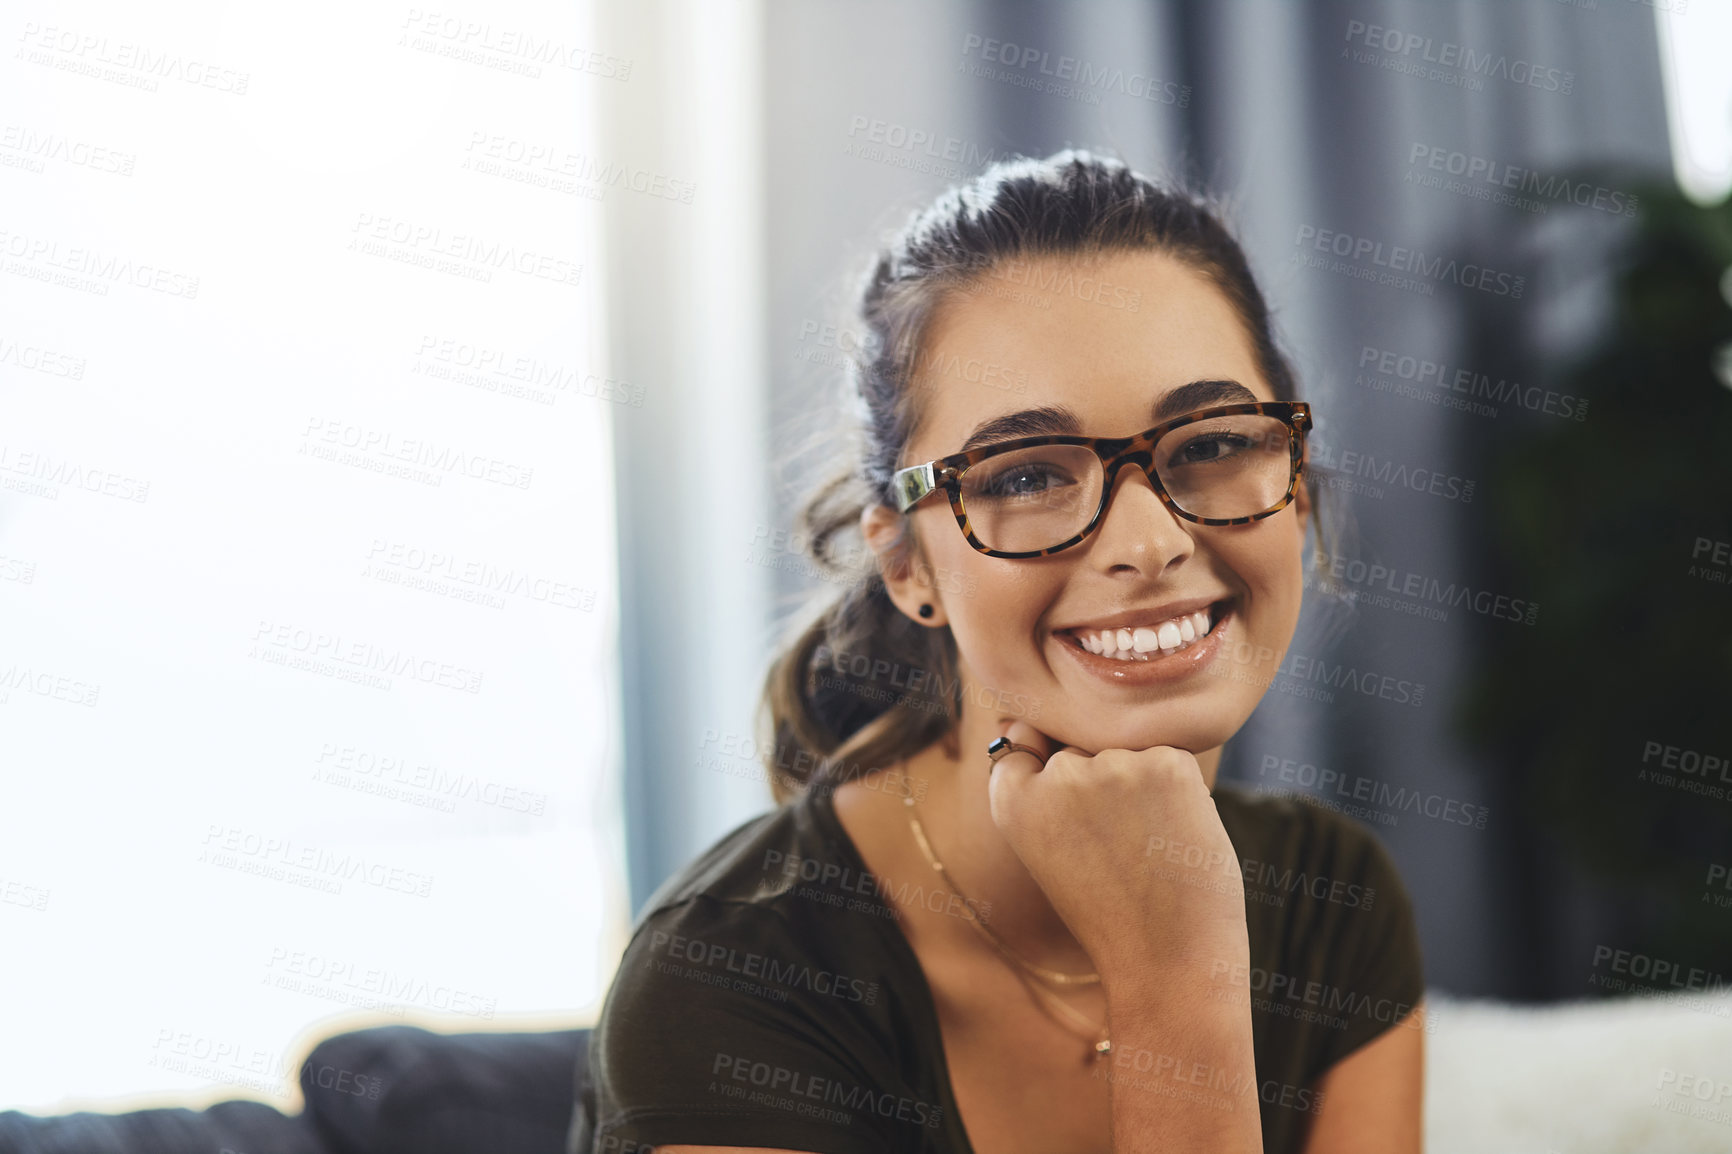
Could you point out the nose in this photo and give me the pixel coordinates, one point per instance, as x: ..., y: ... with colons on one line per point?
x: 1137, y: 530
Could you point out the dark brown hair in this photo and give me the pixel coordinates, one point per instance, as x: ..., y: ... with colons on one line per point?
x: 857, y: 684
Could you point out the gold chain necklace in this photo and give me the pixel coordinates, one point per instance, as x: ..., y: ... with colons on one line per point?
x: 1098, y: 1037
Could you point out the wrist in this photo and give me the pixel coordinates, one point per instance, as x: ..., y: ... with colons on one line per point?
x: 1214, y: 965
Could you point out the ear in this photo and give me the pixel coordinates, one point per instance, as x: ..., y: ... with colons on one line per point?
x: 907, y: 579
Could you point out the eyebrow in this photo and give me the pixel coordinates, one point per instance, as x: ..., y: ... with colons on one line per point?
x: 1057, y: 419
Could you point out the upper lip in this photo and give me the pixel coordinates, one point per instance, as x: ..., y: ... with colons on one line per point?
x: 1152, y: 616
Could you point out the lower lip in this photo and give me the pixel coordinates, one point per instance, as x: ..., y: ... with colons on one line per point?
x: 1173, y: 666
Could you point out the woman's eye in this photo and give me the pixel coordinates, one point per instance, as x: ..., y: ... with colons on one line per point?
x: 1023, y: 481
x: 1213, y: 447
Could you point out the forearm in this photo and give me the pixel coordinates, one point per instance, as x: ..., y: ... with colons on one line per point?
x: 1182, y: 1069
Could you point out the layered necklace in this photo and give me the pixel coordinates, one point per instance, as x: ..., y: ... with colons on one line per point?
x: 1099, y: 1043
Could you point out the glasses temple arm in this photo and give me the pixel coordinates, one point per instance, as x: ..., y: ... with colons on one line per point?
x: 909, y: 485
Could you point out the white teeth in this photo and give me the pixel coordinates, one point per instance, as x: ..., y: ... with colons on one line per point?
x: 1137, y: 644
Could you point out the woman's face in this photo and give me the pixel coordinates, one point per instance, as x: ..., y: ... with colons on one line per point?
x: 1015, y: 621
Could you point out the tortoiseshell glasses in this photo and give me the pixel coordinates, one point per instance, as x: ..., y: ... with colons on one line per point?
x: 1224, y: 465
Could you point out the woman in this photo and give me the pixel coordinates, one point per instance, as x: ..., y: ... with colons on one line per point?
x: 1069, y: 941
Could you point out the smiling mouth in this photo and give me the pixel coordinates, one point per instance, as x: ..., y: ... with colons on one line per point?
x: 1147, y: 642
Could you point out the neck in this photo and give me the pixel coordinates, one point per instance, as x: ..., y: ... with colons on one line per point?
x: 956, y: 814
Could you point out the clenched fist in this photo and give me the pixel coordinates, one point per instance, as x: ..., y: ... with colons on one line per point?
x: 1129, y: 849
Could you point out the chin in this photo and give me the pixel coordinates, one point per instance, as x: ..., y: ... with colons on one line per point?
x: 1194, y: 736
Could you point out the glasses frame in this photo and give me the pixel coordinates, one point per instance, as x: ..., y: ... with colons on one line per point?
x: 914, y: 484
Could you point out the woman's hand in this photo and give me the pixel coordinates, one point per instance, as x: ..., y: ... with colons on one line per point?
x: 1130, y: 850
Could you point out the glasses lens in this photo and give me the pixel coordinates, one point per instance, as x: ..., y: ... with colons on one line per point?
x: 1031, y: 499
x: 1235, y: 466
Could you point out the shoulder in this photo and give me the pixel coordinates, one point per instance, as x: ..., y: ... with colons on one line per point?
x: 764, y: 965
x: 777, y: 907
x: 1295, y: 831
x: 1335, y: 943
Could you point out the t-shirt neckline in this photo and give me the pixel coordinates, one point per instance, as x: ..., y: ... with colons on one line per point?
x: 822, y: 801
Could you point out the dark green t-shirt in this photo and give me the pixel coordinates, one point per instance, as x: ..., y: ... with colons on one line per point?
x: 768, y: 996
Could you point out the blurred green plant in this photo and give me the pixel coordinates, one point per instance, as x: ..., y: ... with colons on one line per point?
x: 1612, y: 524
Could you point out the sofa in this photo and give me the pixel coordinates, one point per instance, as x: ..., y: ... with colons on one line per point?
x: 1630, y: 1075
x: 385, y: 1090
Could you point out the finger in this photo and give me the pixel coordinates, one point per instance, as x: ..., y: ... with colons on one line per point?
x: 1017, y: 765
x: 1007, y: 779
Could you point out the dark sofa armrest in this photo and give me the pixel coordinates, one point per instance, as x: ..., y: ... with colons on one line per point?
x: 405, y: 1090
x: 224, y: 1128
x: 388, y: 1090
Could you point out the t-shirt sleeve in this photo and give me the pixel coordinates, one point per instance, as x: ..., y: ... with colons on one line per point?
x: 1377, y: 967
x: 722, y: 1029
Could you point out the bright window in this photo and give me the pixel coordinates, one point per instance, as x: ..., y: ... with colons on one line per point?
x: 307, y: 596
